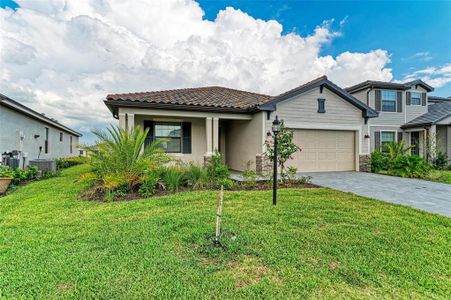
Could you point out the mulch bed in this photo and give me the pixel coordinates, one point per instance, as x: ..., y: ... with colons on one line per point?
x: 99, y: 195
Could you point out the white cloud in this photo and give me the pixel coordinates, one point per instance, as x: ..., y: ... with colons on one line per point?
x: 63, y: 57
x: 422, y: 56
x: 436, y: 77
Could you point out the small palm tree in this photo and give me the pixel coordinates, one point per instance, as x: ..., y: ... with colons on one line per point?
x: 120, y: 157
x: 395, y: 149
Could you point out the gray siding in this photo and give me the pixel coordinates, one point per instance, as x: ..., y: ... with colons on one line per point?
x: 388, y: 118
x: 11, y: 123
x: 302, y: 112
x: 373, y: 129
x: 414, y: 111
x: 362, y: 96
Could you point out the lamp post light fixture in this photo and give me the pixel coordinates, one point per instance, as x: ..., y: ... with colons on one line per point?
x: 276, y: 131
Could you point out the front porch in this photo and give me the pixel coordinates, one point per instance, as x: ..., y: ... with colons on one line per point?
x: 429, y: 140
x: 194, y: 136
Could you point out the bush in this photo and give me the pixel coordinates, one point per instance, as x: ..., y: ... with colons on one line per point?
x: 249, y: 175
x: 218, y: 172
x: 411, y: 166
x: 149, y: 184
x: 6, y: 172
x: 196, y: 176
x: 441, y: 161
x: 117, y: 158
x: 172, y: 178
x: 379, y: 161
x: 66, y: 162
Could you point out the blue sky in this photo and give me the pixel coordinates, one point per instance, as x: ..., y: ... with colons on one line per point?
x: 98, y: 49
x: 417, y: 34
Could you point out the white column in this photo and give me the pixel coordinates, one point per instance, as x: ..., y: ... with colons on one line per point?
x: 131, y: 121
x: 433, y: 141
x: 448, y: 139
x: 209, y: 134
x: 215, y: 134
x: 122, y: 123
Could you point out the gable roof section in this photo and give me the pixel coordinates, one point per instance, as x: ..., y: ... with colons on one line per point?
x: 20, y: 108
x: 367, y: 111
x: 387, y: 85
x: 436, y: 113
x: 213, y: 98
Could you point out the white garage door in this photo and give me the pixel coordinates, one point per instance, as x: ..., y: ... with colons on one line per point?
x: 324, y: 150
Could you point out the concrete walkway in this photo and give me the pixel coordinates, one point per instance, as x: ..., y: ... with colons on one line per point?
x: 425, y: 195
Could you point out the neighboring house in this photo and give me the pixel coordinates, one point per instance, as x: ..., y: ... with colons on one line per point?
x: 406, y: 112
x: 330, y: 125
x: 31, y: 135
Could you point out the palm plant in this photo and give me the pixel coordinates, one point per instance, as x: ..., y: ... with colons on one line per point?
x: 196, y: 176
x: 396, y: 149
x: 173, y: 178
x: 119, y: 157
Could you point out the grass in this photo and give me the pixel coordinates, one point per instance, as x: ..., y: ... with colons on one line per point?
x: 317, y: 243
x: 441, y: 176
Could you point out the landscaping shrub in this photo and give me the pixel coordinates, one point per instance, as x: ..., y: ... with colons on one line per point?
x: 441, y: 161
x: 398, y: 163
x: 379, y: 161
x: 149, y: 183
x: 6, y: 172
x: 249, y: 175
x: 27, y: 174
x: 411, y: 166
x: 218, y: 173
x: 196, y: 176
x: 118, y: 159
x: 172, y: 177
x: 66, y: 162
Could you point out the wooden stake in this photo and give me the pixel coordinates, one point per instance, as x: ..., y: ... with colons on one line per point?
x: 219, y: 213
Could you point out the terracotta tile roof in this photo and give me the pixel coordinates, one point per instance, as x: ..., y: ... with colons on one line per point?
x: 214, y: 97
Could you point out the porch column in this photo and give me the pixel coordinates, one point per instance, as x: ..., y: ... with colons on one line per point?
x: 209, y: 135
x: 122, y: 120
x: 215, y: 134
x: 432, y: 142
x: 131, y: 122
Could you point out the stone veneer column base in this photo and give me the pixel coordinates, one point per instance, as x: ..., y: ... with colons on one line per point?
x: 262, y: 164
x: 364, y: 163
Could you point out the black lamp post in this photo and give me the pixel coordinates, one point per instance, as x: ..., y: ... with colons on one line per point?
x: 275, y: 130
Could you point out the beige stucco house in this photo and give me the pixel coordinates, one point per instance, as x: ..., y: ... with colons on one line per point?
x: 330, y: 125
x: 336, y: 128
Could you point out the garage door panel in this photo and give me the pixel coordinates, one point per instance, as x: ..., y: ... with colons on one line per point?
x: 324, y: 150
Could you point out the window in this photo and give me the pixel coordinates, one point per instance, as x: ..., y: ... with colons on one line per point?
x: 386, y: 137
x: 415, y: 98
x: 388, y: 101
x: 172, y: 134
x: 321, y: 105
x: 46, y: 142
x: 70, y: 145
x: 61, y: 136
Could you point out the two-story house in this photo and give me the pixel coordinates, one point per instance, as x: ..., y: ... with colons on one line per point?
x: 405, y: 113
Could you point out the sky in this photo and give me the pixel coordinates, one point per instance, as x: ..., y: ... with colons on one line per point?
x: 63, y: 57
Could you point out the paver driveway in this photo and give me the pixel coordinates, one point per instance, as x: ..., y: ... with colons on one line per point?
x: 429, y: 196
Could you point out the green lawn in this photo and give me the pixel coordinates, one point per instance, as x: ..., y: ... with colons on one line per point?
x: 441, y: 176
x: 317, y: 243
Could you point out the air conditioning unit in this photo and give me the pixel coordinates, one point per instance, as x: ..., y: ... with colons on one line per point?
x: 44, y: 165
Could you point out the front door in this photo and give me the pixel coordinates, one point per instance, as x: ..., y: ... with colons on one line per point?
x: 415, y: 142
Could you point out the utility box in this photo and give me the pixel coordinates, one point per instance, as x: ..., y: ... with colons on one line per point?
x: 44, y: 165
